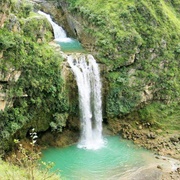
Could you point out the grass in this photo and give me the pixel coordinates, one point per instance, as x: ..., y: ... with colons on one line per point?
x: 171, y: 14
x: 12, y: 172
x: 161, y: 115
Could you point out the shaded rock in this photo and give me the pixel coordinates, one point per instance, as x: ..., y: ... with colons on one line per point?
x: 159, y: 167
x: 174, y: 139
x: 178, y: 170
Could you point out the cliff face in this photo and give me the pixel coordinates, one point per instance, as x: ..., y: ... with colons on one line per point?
x: 138, y: 42
x: 32, y: 91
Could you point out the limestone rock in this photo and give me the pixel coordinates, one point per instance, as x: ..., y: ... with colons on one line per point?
x: 149, y: 174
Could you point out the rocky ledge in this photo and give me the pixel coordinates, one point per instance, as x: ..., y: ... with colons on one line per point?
x: 164, y: 143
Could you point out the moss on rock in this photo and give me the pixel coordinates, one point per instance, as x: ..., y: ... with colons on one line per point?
x: 37, y: 95
x: 138, y: 41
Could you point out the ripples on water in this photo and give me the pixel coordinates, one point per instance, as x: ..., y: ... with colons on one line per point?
x: 117, y: 158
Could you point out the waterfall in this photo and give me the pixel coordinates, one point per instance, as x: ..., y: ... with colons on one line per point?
x: 87, y: 76
x: 59, y: 33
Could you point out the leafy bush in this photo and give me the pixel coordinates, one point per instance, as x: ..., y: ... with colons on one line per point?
x: 39, y: 92
x: 59, y: 122
x: 24, y: 163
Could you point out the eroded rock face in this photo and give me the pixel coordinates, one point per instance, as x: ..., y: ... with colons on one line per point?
x: 55, y: 10
x: 7, y: 77
x: 4, y: 13
x: 11, y: 20
x: 30, y: 74
x: 72, y: 23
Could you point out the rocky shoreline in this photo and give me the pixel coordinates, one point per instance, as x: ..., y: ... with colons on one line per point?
x: 163, y: 168
x: 166, y: 163
x: 165, y: 145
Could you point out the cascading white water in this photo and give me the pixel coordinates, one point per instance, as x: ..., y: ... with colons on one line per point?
x: 87, y: 76
x: 59, y: 33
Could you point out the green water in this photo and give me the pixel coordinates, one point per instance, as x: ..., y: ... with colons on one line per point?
x: 70, y: 45
x: 116, y: 159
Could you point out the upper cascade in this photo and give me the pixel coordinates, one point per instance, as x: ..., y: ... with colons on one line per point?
x: 59, y: 33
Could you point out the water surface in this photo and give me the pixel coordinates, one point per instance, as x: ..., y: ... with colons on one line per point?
x: 69, y: 45
x: 117, y: 158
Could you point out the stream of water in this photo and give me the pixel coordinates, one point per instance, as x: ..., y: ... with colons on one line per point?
x: 67, y: 44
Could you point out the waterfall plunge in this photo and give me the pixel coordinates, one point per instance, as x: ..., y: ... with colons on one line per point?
x: 88, y: 81
x: 87, y: 76
x: 59, y: 33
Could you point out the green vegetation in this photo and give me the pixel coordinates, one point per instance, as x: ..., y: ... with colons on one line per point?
x: 120, y: 99
x: 13, y: 172
x: 38, y: 95
x: 161, y: 115
x: 24, y: 163
x: 138, y: 41
x: 121, y: 27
